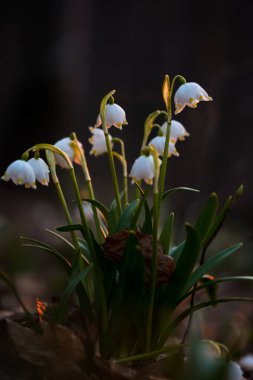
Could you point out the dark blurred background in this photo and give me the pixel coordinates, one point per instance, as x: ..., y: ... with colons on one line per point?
x: 59, y: 58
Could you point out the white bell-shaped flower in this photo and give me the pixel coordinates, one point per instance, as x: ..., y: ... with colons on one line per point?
x: 98, y: 141
x: 40, y: 169
x: 68, y: 147
x: 234, y: 371
x: 143, y: 169
x: 177, y: 131
x: 21, y: 173
x: 246, y: 362
x: 158, y: 143
x: 189, y: 94
x: 114, y: 115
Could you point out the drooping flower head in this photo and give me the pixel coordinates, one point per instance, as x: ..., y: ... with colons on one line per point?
x: 68, y: 147
x: 114, y: 115
x: 189, y: 94
x: 21, y: 173
x: 143, y: 169
x: 158, y: 143
x: 98, y: 141
x: 40, y: 169
x: 177, y: 131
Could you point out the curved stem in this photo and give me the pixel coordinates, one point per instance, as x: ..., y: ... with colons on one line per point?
x: 124, y: 164
x: 51, y: 163
x: 109, y: 150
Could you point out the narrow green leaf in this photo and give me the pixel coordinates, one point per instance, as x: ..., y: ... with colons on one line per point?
x: 73, y: 283
x: 70, y: 227
x: 12, y: 287
x: 176, y: 189
x: 47, y: 248
x: 112, y: 217
x: 184, y: 267
x: 147, y: 227
x: 215, y: 282
x: 127, y: 216
x: 165, y: 237
x: 139, y: 208
x: 207, y: 216
x: 175, y: 252
x: 203, y: 305
x: 210, y: 264
x: 128, y: 296
x: 61, y: 238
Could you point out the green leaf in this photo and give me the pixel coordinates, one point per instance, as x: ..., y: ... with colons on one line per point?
x: 75, y: 280
x: 47, y: 248
x: 206, y: 216
x: 210, y: 264
x: 100, y: 206
x: 176, y: 189
x: 165, y: 237
x: 61, y: 238
x: 112, y: 217
x: 184, y: 267
x: 11, y: 286
x: 127, y: 216
x: 147, y: 227
x: 70, y: 227
x: 175, y: 252
x: 203, y: 305
x: 139, y: 208
x: 166, y: 91
x: 128, y: 296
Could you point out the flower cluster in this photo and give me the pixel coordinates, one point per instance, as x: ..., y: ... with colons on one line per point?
x: 188, y: 94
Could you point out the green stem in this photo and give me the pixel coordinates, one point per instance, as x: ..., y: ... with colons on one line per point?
x: 124, y: 165
x: 67, y: 213
x: 98, y: 275
x: 109, y: 149
x: 88, y: 181
x: 165, y: 158
x: 113, y: 171
x: 51, y: 162
x: 97, y: 270
x: 154, y: 254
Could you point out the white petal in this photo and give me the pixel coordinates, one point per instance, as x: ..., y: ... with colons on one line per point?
x: 177, y: 130
x: 41, y: 170
x: 189, y: 94
x: 98, y: 141
x: 21, y: 173
x: 114, y: 115
x: 143, y: 169
x: 65, y: 145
